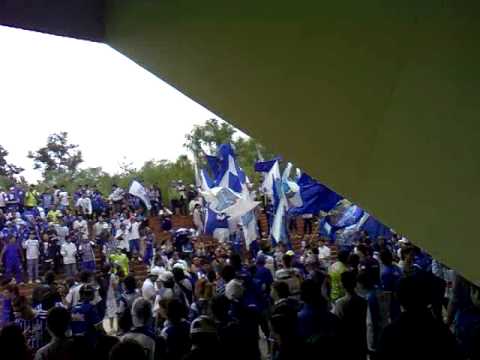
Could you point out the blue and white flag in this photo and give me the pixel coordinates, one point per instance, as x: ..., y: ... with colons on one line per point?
x: 227, y: 195
x: 315, y: 197
x: 137, y: 189
x: 223, y: 200
x: 214, y: 221
x: 265, y: 166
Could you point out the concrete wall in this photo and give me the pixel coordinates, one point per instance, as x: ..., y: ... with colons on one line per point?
x: 377, y: 99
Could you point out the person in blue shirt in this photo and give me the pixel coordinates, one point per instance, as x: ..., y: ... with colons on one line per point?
x: 12, y: 200
x: 316, y: 324
x: 390, y: 278
x: 467, y: 326
x: 12, y: 257
x: 9, y: 293
x: 46, y: 199
x: 20, y: 193
x: 86, y: 320
x: 149, y: 241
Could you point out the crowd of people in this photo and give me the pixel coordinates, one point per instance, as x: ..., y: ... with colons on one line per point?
x: 376, y: 299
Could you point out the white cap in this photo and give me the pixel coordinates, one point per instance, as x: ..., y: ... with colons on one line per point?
x: 234, y: 290
x: 165, y: 276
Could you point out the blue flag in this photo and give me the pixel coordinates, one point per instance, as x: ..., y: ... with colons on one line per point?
x: 315, y: 197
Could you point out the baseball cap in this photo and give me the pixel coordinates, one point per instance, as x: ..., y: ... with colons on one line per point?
x: 203, y: 325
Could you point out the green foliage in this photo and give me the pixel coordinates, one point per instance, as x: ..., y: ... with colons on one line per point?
x: 213, y: 133
x: 209, y: 135
x: 57, y: 158
x: 59, y: 161
x: 7, y: 169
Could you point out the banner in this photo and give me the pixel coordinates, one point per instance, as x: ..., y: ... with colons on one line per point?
x: 137, y: 189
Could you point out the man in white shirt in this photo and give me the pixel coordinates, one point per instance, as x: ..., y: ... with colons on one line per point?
x: 32, y: 247
x: 134, y: 237
x: 81, y: 225
x: 197, y: 219
x: 100, y: 226
x: 63, y: 199
x: 324, y: 252
x: 290, y: 275
x: 121, y: 236
x: 73, y: 296
x: 69, y: 252
x: 84, y: 204
x: 62, y: 232
x: 149, y: 287
x: 3, y: 199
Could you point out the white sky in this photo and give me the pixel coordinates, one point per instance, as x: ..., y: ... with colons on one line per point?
x: 50, y: 84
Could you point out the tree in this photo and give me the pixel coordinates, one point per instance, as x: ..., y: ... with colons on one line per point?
x: 208, y: 136
x: 57, y: 157
x: 214, y: 133
x: 7, y: 169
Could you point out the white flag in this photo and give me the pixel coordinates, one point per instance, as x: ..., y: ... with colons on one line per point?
x: 137, y: 189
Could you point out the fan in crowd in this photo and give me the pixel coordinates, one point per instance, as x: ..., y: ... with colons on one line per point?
x: 209, y: 299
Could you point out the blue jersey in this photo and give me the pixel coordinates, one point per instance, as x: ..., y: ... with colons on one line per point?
x: 12, y: 254
x: 98, y: 204
x: 85, y: 318
x: 46, y: 200
x: 20, y: 195
x: 35, y: 331
x: 12, y: 197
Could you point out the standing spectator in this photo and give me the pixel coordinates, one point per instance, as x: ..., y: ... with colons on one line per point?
x: 176, y: 330
x: 316, y: 324
x: 182, y: 197
x: 335, y: 271
x: 63, y: 197
x: 14, y: 344
x: 80, y: 225
x: 12, y: 258
x: 74, y: 297
x: 3, y: 200
x: 467, y: 328
x: 390, y: 279
x: 148, y: 252
x: 416, y: 334
x: 31, y: 198
x: 149, y: 289
x: 10, y: 293
x: 60, y: 346
x: 351, y: 309
x: 86, y: 321
x: 128, y: 350
x: 307, y: 223
x: 378, y: 308
x: 204, y: 339
x: 142, y: 321
x: 87, y: 255
x: 290, y: 275
x: 111, y: 297
x: 197, y: 219
x: 69, y: 252
x: 62, y: 231
x: 116, y: 197
x: 368, y: 264
x: 324, y: 252
x: 32, y: 246
x: 133, y: 237
x: 46, y: 200
x: 129, y: 294
x: 99, y: 227
x: 32, y: 325
x: 84, y: 205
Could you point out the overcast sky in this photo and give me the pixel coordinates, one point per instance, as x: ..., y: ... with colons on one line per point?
x: 111, y: 107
